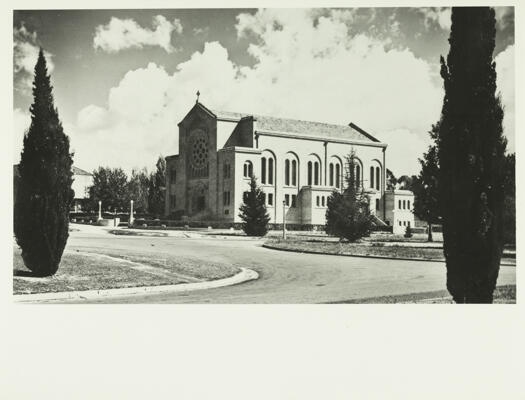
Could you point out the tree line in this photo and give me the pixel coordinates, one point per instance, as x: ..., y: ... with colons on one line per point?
x: 115, y: 190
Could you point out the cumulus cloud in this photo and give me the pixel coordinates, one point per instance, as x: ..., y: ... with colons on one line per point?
x: 303, y: 69
x: 306, y: 66
x: 437, y: 16
x: 21, y: 122
x: 25, y: 54
x: 504, y: 16
x: 121, y: 34
x: 441, y: 16
x: 505, y: 83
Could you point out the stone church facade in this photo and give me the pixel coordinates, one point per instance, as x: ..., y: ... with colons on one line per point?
x: 296, y: 162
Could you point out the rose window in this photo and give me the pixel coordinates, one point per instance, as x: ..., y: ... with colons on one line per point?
x: 199, y: 154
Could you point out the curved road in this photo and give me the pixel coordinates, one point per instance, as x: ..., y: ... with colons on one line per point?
x: 284, y: 277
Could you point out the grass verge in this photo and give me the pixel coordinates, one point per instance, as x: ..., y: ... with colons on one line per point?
x: 502, y: 295
x: 95, y: 269
x: 320, y: 246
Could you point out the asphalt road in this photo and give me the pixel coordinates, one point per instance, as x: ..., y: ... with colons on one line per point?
x: 284, y: 277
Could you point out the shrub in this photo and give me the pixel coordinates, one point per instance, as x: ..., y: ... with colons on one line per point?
x: 408, y: 232
x: 253, y: 212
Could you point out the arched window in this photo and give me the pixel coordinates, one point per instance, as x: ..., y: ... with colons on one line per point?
x: 294, y: 173
x: 378, y: 178
x: 287, y: 172
x: 377, y: 204
x: 322, y: 201
x: 317, y: 201
x: 357, y: 175
x: 316, y: 173
x: 248, y: 169
x: 331, y: 174
x: 309, y: 173
x: 404, y: 205
x: 337, y: 175
x: 270, y: 171
x: 408, y: 204
x: 372, y: 177
x: 263, y: 170
x: 399, y: 204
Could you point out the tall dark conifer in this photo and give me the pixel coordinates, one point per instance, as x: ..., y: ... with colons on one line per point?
x: 44, y: 194
x: 471, y: 157
x: 253, y: 211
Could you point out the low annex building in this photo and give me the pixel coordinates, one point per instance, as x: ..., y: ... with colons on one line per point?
x: 296, y: 162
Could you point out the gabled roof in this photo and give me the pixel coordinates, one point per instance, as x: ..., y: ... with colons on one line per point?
x: 300, y: 127
x: 78, y: 171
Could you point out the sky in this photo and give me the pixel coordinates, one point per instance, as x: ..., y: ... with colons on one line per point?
x: 123, y: 79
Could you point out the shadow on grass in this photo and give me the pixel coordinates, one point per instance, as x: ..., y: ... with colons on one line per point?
x: 26, y: 273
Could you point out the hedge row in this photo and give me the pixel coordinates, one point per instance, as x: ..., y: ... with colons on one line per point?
x: 144, y: 223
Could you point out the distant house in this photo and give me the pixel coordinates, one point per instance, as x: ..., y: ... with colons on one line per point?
x: 82, y: 180
x: 399, y: 209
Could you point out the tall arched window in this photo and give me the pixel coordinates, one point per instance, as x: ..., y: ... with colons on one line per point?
x: 408, y: 204
x: 378, y: 178
x: 358, y: 175
x: 263, y: 170
x: 372, y: 177
x: 247, y: 169
x: 287, y: 172
x: 270, y: 171
x: 316, y: 173
x: 337, y: 175
x: 309, y: 173
x: 294, y: 173
x: 331, y: 174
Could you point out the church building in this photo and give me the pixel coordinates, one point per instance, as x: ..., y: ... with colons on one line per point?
x: 297, y: 164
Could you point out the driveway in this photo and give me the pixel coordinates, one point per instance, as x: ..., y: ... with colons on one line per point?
x: 284, y: 277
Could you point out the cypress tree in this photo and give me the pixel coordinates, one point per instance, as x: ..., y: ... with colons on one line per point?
x: 471, y: 151
x: 253, y: 211
x: 44, y: 194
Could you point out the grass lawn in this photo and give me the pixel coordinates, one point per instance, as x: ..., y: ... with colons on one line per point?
x: 95, y: 270
x: 502, y: 295
x: 374, y: 249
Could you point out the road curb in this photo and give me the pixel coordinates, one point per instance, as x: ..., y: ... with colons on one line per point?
x: 244, y: 276
x: 268, y: 246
